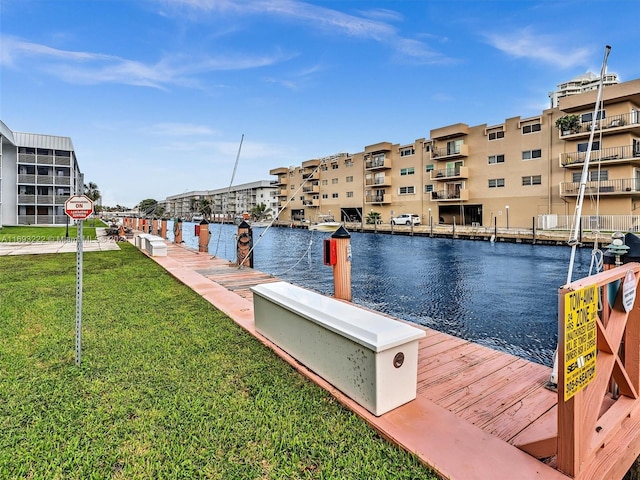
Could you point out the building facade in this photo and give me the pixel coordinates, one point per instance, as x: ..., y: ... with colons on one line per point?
x: 582, y: 83
x: 38, y: 173
x: 225, y: 203
x: 505, y: 175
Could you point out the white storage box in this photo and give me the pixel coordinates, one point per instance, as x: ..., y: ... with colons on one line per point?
x: 371, y: 358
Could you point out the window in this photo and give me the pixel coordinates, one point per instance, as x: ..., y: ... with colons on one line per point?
x: 496, y: 135
x: 529, y: 154
x: 292, y: 186
x: 496, y: 159
x: 334, y: 195
x: 587, y: 117
x: 334, y: 181
x: 582, y: 147
x: 428, y: 188
x: 302, y: 198
x: 534, y: 127
x: 429, y: 167
x: 407, y: 171
x: 532, y: 180
x: 349, y: 194
x: 291, y: 173
x: 453, y: 147
x: 325, y: 182
x: 348, y: 162
x: 404, y: 152
x: 349, y: 179
x: 496, y: 182
x: 334, y: 166
x: 406, y: 190
x: 325, y: 196
x: 592, y: 176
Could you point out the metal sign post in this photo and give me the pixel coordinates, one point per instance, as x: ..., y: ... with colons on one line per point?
x: 79, y: 207
x: 79, y: 245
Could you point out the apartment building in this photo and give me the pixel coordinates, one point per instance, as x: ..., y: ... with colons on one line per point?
x: 582, y: 83
x: 505, y: 175
x: 225, y: 202
x: 38, y: 173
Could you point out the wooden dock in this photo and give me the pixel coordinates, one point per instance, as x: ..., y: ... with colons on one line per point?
x: 473, y: 405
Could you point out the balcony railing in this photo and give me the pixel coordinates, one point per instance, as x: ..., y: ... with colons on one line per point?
x: 311, y: 189
x: 611, y: 154
x: 310, y: 203
x: 377, y: 163
x: 444, y: 195
x: 377, y: 181
x: 448, y: 153
x: 25, y: 199
x: 620, y: 186
x: 63, y: 161
x: 62, y: 180
x: 26, y: 158
x: 26, y: 178
x: 449, y: 173
x: 44, y: 180
x: 44, y: 160
x: 377, y: 199
x: 614, y: 123
x: 45, y: 200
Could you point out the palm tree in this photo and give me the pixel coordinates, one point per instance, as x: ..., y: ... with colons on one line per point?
x: 374, y: 217
x: 205, y: 207
x: 259, y: 212
x: 91, y: 190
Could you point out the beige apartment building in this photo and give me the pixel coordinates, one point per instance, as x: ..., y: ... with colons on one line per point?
x: 506, y: 175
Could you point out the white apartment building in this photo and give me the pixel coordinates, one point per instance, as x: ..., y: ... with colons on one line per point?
x: 582, y: 83
x: 38, y: 173
x: 225, y: 202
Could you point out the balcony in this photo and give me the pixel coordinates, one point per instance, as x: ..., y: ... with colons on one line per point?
x: 24, y: 199
x: 63, y: 180
x: 45, y: 199
x: 377, y: 163
x: 446, y: 153
x: 310, y: 203
x: 279, y: 171
x: 26, y: 158
x: 44, y: 180
x: 378, y: 199
x: 626, y: 122
x: 610, y: 155
x: 311, y: 189
x: 44, y: 160
x: 26, y: 178
x: 620, y: 186
x: 378, y: 181
x: 63, y: 161
x: 446, y: 174
x: 460, y: 195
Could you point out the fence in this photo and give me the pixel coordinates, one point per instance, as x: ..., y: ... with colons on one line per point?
x: 607, y: 223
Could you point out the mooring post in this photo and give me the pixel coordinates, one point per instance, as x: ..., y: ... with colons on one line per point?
x: 342, y: 267
x: 177, y: 230
x: 163, y: 228
x: 245, y: 245
x: 203, y: 237
x: 533, y: 229
x: 495, y: 228
x: 154, y: 230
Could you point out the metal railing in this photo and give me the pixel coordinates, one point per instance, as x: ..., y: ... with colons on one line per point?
x: 617, y: 186
x: 603, y: 155
x: 607, y: 223
x: 614, y: 121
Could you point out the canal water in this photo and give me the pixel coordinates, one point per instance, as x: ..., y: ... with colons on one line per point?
x: 501, y: 295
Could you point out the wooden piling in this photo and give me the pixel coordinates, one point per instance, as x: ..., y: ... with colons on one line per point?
x: 163, y: 228
x: 177, y: 231
x: 203, y: 237
x: 342, y: 268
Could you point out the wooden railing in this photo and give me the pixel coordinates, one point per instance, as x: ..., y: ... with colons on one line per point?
x: 598, y: 410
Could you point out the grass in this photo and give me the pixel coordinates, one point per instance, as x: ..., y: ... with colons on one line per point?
x: 33, y: 233
x: 169, y: 387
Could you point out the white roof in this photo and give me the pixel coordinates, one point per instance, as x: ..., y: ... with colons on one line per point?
x: 35, y: 140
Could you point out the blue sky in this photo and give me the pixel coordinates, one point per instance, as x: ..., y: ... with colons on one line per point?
x: 156, y: 94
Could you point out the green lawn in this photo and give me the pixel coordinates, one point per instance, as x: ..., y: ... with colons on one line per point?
x: 169, y: 387
x: 33, y: 233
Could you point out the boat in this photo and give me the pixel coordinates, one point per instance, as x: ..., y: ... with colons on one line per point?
x: 197, y: 218
x: 325, y: 223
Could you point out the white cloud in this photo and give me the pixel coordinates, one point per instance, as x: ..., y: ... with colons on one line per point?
x: 549, y: 49
x: 95, y: 68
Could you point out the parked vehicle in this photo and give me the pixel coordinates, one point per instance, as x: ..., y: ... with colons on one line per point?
x: 406, y: 219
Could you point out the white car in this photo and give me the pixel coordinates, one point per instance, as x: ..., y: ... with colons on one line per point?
x: 406, y: 219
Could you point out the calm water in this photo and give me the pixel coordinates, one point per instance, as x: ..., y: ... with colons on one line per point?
x: 501, y: 295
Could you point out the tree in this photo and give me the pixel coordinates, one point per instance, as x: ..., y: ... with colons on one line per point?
x: 260, y: 212
x: 91, y: 190
x: 374, y: 217
x: 148, y: 206
x: 205, y: 207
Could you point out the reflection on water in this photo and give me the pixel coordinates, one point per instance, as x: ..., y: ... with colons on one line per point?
x: 501, y: 295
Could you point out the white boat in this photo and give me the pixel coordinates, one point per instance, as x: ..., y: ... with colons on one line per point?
x: 325, y: 223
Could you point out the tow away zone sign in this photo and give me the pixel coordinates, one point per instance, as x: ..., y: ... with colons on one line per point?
x: 580, y: 313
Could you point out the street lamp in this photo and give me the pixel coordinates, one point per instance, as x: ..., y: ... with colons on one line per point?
x: 507, y: 208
